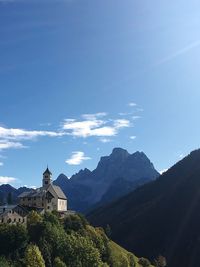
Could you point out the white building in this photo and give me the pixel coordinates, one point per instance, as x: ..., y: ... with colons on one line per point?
x: 49, y: 197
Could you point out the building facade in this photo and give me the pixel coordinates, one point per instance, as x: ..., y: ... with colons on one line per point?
x: 13, y: 214
x: 48, y: 197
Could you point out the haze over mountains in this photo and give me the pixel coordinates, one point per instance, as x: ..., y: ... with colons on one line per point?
x: 162, y: 217
x: 115, y: 175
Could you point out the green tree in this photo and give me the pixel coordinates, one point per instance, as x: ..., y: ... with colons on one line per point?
x: 33, y: 218
x: 35, y: 226
x: 13, y: 238
x: 80, y: 251
x: 144, y: 262
x: 59, y: 263
x: 33, y: 257
x: 51, y: 217
x: 4, y: 262
x: 74, y: 223
x: 45, y: 249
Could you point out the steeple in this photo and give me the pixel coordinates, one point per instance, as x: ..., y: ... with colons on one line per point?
x: 46, y: 178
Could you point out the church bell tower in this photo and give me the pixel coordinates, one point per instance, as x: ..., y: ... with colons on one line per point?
x: 46, y: 181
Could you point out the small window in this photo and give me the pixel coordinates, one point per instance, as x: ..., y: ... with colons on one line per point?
x: 14, y: 219
x: 46, y: 182
x: 48, y: 207
x: 19, y: 220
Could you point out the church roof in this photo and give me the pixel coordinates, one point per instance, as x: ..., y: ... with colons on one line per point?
x: 47, y: 171
x: 59, y: 192
x: 40, y: 192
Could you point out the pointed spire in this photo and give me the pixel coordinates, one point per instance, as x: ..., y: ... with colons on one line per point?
x: 47, y: 171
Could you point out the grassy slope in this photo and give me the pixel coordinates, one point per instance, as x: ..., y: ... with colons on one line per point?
x: 122, y: 258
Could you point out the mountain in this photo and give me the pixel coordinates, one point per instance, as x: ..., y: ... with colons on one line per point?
x: 162, y: 217
x: 115, y: 175
x: 7, y: 189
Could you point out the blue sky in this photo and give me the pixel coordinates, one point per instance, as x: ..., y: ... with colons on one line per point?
x: 79, y: 77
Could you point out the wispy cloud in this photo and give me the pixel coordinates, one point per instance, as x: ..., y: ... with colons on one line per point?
x: 94, y: 125
x: 7, y: 180
x: 13, y: 137
x: 136, y: 117
x: 105, y: 140
x: 132, y: 104
x: 121, y: 123
x: 77, y: 158
x: 22, y: 134
x: 98, y: 125
x: 133, y: 137
x: 1, y: 164
x: 179, y: 52
x: 5, y: 144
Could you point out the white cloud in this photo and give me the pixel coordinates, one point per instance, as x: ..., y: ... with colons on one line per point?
x: 77, y: 158
x: 121, y: 123
x: 94, y: 125
x: 94, y: 116
x: 105, y: 140
x: 90, y: 125
x: 1, y: 164
x: 133, y: 137
x: 104, y: 131
x: 7, y: 180
x: 82, y: 128
x: 22, y: 134
x: 132, y: 104
x: 5, y: 144
x: 10, y: 138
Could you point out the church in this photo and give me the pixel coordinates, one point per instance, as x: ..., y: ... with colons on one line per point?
x: 49, y: 197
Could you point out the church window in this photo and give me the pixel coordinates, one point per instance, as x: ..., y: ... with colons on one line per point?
x: 46, y: 182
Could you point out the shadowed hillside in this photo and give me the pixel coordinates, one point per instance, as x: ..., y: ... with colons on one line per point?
x: 162, y: 217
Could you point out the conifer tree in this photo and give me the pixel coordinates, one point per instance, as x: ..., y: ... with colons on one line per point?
x: 33, y: 257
